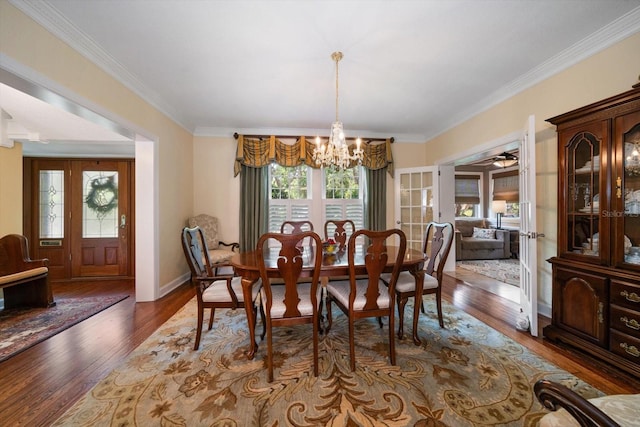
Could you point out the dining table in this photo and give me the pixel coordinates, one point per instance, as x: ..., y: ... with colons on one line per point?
x: 334, y: 265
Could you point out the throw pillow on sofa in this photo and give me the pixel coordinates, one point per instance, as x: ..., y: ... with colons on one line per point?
x: 483, y: 233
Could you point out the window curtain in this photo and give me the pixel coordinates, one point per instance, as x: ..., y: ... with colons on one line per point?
x: 375, y: 199
x: 253, y: 156
x: 258, y: 152
x: 506, y: 186
x: 468, y: 189
x: 254, y: 205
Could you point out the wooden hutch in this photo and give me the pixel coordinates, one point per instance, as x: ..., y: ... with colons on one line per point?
x: 596, y: 273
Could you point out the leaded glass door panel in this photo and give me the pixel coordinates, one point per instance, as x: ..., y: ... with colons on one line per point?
x: 415, y: 202
x: 100, y: 219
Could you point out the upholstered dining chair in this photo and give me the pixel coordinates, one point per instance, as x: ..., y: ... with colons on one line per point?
x: 287, y: 299
x: 369, y: 297
x: 571, y: 409
x: 212, y: 291
x: 438, y: 238
x: 339, y: 230
x: 219, y: 251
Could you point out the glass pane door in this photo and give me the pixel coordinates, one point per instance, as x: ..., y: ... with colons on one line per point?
x: 415, y: 203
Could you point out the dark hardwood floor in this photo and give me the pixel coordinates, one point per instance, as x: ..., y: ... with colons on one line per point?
x: 38, y: 385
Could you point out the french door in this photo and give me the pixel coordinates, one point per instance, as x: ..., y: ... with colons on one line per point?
x: 81, y: 216
x: 416, y: 202
x: 528, y: 232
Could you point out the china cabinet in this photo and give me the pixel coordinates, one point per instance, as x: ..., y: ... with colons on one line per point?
x: 596, y: 273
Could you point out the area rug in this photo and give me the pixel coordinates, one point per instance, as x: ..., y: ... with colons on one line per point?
x: 466, y: 374
x: 21, y: 328
x: 504, y: 270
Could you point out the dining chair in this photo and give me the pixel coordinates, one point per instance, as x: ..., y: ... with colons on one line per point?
x: 292, y: 227
x: 212, y: 291
x: 362, y: 298
x: 438, y: 238
x: 287, y: 299
x: 339, y: 230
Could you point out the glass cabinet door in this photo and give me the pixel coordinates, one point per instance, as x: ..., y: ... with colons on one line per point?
x: 585, y: 181
x: 627, y: 192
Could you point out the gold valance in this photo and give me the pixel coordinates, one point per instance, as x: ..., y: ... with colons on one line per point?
x: 259, y: 152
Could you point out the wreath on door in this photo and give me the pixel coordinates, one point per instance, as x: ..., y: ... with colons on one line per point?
x: 103, y: 195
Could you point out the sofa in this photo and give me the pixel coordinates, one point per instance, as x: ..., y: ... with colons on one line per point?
x: 475, y: 239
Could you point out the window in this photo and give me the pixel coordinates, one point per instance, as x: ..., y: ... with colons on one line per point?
x: 288, y: 195
x: 506, y: 186
x: 303, y: 193
x: 467, y: 189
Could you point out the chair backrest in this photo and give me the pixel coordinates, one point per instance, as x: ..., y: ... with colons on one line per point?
x: 196, y: 252
x: 339, y: 230
x: 437, y: 243
x: 292, y: 261
x: 292, y: 227
x: 209, y: 226
x: 376, y: 258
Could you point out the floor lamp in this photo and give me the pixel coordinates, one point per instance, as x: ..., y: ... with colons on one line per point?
x: 499, y: 207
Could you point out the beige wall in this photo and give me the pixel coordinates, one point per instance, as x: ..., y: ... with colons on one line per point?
x: 215, y: 190
x: 607, y: 73
x: 11, y: 190
x: 30, y: 45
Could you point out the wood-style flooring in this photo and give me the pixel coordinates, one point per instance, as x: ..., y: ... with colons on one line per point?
x: 38, y: 385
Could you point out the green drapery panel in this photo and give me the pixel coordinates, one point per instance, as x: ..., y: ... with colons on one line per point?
x: 254, y: 206
x: 375, y: 199
x: 259, y: 152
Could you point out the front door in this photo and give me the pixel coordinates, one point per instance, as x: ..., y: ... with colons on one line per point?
x: 99, y: 218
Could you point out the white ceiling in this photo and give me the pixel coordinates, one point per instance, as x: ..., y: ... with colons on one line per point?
x: 411, y: 69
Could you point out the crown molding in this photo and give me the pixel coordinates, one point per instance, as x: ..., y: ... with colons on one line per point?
x: 220, y: 132
x: 48, y: 16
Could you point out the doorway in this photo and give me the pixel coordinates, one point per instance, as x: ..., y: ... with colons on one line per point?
x: 79, y: 213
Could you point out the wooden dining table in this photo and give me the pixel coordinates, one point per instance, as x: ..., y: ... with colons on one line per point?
x: 334, y: 265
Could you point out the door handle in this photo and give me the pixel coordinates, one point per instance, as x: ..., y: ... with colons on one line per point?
x: 123, y: 221
x: 532, y: 234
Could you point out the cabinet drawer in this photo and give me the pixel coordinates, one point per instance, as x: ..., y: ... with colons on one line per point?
x: 625, y: 320
x: 625, y: 294
x: 625, y: 345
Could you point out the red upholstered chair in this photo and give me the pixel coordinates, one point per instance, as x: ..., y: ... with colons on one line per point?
x: 287, y: 299
x: 212, y: 291
x: 369, y: 297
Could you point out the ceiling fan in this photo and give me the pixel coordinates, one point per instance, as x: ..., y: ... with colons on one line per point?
x: 505, y: 160
x: 502, y: 160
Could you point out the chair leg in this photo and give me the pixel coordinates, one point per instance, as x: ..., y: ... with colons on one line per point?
x: 213, y: 313
x: 329, y: 317
x: 439, y: 304
x: 264, y: 322
x: 392, y: 339
x: 401, y: 303
x: 315, y: 345
x: 269, y: 354
x: 199, y: 328
x: 380, y: 322
x: 352, y: 347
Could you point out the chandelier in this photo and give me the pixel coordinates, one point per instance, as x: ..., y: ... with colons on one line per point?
x: 336, y: 151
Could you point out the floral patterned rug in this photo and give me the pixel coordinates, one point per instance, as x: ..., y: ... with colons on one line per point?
x: 466, y: 374
x: 21, y: 328
x: 504, y: 270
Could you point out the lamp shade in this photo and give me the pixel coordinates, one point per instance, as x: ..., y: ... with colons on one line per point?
x: 499, y: 206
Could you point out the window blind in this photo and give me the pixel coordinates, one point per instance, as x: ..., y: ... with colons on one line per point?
x: 468, y: 189
x: 506, y: 186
